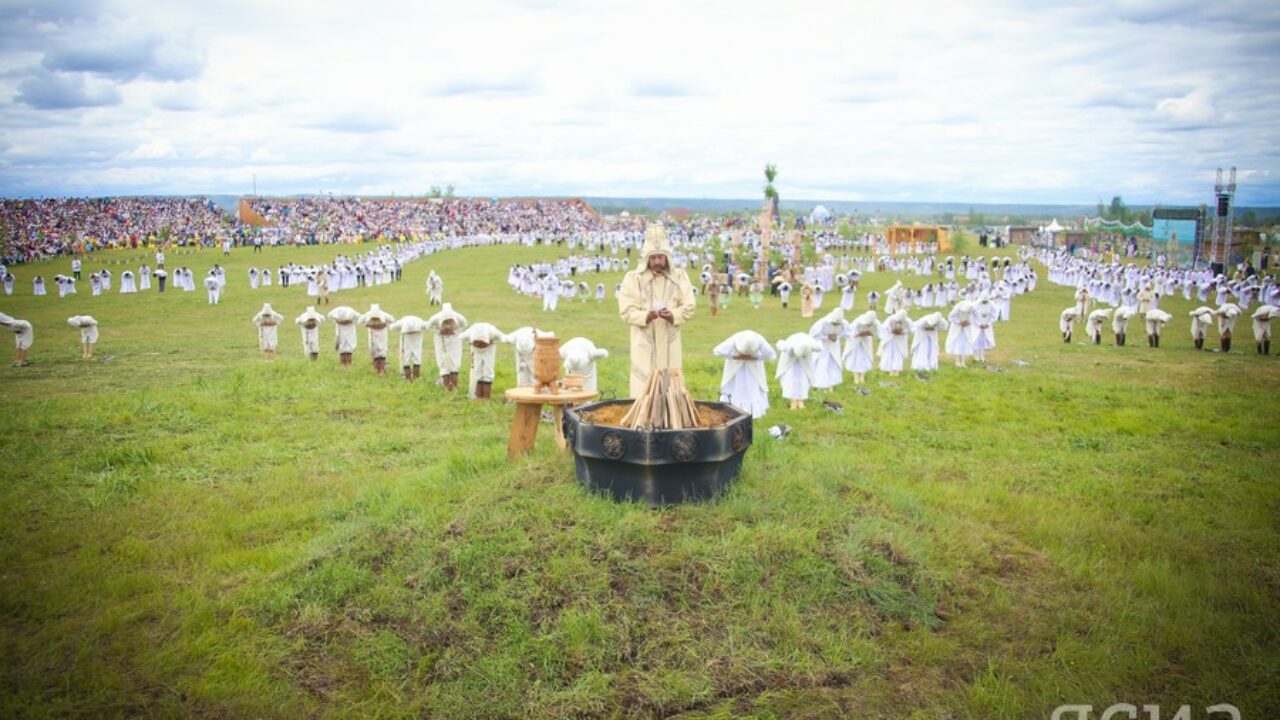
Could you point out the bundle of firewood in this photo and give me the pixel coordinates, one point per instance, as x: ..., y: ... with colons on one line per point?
x: 665, y: 404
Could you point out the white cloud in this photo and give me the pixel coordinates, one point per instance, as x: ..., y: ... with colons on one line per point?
x: 155, y: 150
x: 999, y: 100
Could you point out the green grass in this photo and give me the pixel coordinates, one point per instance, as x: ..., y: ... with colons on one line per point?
x: 187, y: 530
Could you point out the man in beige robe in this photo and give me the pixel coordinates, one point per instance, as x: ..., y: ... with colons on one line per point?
x: 655, y: 300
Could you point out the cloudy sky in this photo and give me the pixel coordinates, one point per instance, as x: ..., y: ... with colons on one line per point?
x: 995, y: 101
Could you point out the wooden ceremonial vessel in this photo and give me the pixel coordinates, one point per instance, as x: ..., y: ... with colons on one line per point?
x: 546, y: 364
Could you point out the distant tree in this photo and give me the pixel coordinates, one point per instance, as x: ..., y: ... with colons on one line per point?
x: 448, y: 190
x: 1249, y: 218
x: 1102, y: 210
x: 770, y: 192
x: 1117, y: 211
x: 435, y: 192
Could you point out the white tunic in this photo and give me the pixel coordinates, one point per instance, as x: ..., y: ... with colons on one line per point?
x: 345, y: 320
x: 310, y: 322
x: 410, y: 328
x: 580, y: 355
x: 88, y: 328
x: 924, y: 341
x: 893, y: 341
x: 795, y: 365
x: 744, y: 383
x: 267, y: 321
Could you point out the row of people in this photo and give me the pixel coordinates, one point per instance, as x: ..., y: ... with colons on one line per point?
x: 1203, y: 319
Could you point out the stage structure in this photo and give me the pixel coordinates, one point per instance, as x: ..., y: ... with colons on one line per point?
x: 1178, y: 233
x: 1223, y: 217
x: 896, y: 235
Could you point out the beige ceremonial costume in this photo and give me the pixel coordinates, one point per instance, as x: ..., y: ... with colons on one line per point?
x: 345, y: 327
x: 580, y: 356
x: 88, y: 333
x: 410, y: 328
x: 483, y: 339
x: 1262, y: 318
x: 268, y: 322
x: 310, y: 322
x: 448, y: 326
x: 655, y: 341
x: 377, y: 321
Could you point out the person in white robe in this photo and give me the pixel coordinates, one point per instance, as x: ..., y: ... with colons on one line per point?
x: 344, y: 319
x: 37, y: 286
x: 447, y: 326
x: 1226, y: 315
x: 1262, y: 318
x: 924, y: 341
x: 144, y: 277
x: 829, y: 331
x: 23, y: 337
x: 1067, y: 322
x: 985, y: 314
x: 376, y: 321
x: 599, y: 292
x: 268, y: 321
x: 310, y: 322
x: 483, y: 339
x: 253, y: 278
x: 1155, y: 321
x: 962, y: 333
x: 795, y: 367
x: 8, y: 281
x: 435, y: 288
x: 859, y: 356
x: 411, y: 328
x: 214, y: 288
x: 1201, y: 321
x: 88, y: 333
x: 127, y: 284
x: 550, y: 293
x: 848, y: 292
x: 784, y: 292
x: 744, y: 383
x: 1120, y: 323
x: 893, y: 342
x: 580, y: 355
x: 522, y: 342
x: 1096, y: 322
x: 873, y: 300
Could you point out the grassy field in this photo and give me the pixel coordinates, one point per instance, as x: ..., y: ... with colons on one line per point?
x: 188, y: 530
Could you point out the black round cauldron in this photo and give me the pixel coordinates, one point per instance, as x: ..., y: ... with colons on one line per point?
x: 658, y: 467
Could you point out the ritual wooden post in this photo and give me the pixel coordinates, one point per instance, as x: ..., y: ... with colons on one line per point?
x: 766, y: 234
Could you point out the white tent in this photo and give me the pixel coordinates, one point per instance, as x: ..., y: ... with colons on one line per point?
x: 819, y: 215
x: 1054, y: 227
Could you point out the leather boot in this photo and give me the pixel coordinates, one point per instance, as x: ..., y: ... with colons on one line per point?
x: 1199, y: 343
x: 407, y: 372
x: 1066, y: 338
x: 1226, y: 344
x: 1266, y: 346
x: 315, y: 356
x: 417, y: 371
x: 1157, y: 341
x: 1097, y: 339
x: 1151, y: 341
x: 345, y: 358
x: 1259, y: 348
x: 484, y: 390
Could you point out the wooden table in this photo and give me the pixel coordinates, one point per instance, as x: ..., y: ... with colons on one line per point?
x: 524, y: 428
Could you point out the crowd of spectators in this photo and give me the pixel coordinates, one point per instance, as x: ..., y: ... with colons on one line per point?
x: 320, y: 220
x: 40, y: 228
